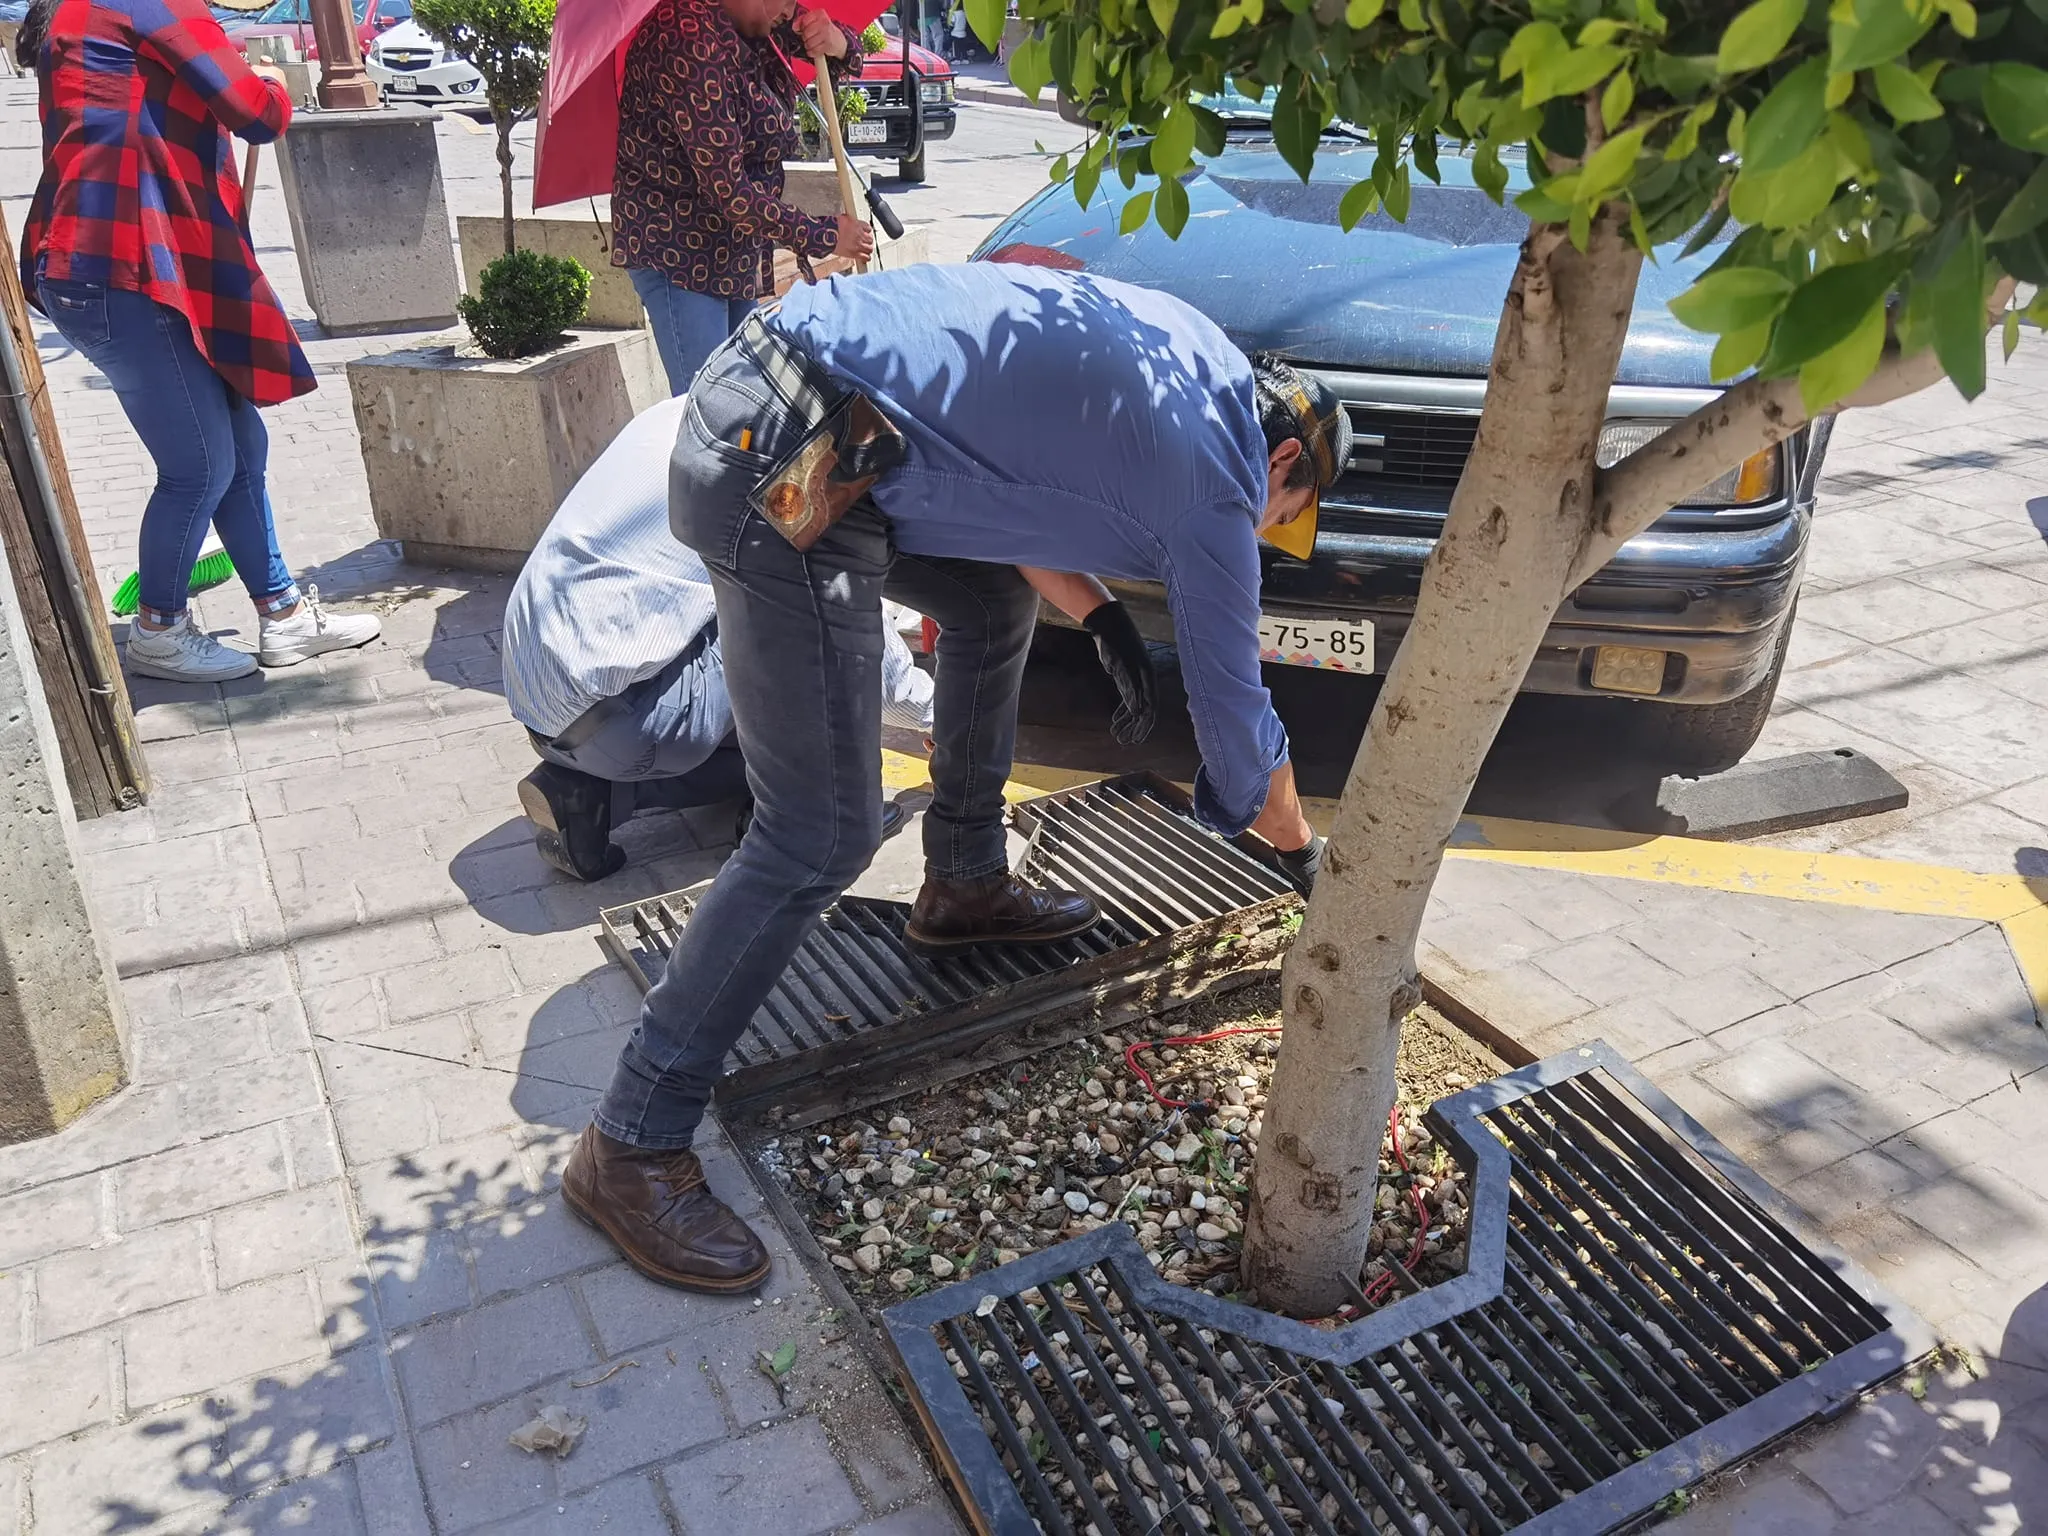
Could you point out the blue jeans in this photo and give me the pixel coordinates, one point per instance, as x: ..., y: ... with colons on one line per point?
x: 209, y: 444
x: 802, y: 641
x: 666, y: 742
x: 688, y: 327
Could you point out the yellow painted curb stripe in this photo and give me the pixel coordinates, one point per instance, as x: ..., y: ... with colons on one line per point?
x: 2018, y: 905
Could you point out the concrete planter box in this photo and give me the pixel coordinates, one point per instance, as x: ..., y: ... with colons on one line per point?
x: 468, y: 457
x: 613, y: 303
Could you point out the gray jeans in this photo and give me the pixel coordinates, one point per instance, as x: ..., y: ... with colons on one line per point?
x: 801, y: 635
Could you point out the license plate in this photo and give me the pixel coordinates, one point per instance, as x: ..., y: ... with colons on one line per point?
x: 867, y: 133
x: 403, y: 83
x: 1335, y: 645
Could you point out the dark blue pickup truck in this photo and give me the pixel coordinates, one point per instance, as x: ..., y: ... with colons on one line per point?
x: 1689, y: 622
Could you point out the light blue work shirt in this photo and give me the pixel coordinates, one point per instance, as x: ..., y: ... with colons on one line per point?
x: 1079, y: 424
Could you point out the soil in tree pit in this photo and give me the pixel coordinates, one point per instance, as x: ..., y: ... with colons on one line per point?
x: 948, y: 1183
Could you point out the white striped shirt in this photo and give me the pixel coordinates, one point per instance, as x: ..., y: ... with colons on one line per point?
x: 610, y: 596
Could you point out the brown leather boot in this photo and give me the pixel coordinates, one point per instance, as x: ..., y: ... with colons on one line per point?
x: 656, y: 1207
x: 1001, y: 909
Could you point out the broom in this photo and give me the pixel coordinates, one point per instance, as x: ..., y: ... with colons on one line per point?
x: 212, y: 568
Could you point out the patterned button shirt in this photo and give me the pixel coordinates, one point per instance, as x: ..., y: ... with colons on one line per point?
x: 705, y: 118
x: 139, y: 189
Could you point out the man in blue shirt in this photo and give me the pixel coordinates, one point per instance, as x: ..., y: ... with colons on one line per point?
x: 1048, y: 419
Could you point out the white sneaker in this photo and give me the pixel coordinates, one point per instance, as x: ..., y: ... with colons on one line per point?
x: 184, y: 654
x: 313, y: 631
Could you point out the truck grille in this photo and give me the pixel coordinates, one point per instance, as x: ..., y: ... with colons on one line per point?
x: 1395, y: 447
x: 405, y: 61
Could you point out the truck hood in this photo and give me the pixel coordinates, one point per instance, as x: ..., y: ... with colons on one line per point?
x: 886, y: 63
x: 1264, y: 257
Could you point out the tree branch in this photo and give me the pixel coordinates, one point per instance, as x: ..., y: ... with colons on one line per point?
x: 1745, y: 419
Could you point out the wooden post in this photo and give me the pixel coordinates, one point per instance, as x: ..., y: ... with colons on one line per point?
x: 65, y: 618
x: 828, y: 114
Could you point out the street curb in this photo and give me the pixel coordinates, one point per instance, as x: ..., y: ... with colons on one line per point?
x: 1002, y: 96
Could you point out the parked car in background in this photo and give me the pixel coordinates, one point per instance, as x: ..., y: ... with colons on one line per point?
x: 407, y: 63
x: 1689, y: 622
x: 886, y: 130
x: 293, y: 19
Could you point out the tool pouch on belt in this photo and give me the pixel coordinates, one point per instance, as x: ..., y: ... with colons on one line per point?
x: 831, y: 469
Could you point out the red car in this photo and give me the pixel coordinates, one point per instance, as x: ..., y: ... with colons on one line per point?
x: 294, y: 19
x: 888, y: 129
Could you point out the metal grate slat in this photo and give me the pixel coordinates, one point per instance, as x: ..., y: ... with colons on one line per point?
x: 1578, y: 1373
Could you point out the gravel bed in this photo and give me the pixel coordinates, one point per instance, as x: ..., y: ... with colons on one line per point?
x: 950, y: 1183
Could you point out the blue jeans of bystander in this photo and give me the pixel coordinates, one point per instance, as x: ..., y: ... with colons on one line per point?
x: 688, y: 327
x: 209, y: 444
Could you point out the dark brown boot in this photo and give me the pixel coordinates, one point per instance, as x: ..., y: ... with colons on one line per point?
x: 1001, y: 909
x: 656, y: 1207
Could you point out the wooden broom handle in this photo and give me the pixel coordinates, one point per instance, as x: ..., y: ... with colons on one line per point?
x: 828, y: 113
x: 249, y: 181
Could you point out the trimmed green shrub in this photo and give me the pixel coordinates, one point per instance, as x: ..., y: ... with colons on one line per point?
x: 524, y: 302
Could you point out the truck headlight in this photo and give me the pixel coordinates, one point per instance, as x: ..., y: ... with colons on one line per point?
x: 935, y: 92
x: 1755, y: 479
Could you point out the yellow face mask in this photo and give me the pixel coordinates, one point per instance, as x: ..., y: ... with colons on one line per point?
x: 1297, y: 538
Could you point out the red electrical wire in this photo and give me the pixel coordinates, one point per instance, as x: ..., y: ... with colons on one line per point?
x: 1383, y: 1287
x: 1131, y: 1058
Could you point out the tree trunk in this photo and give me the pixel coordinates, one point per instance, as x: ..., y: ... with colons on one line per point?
x: 1517, y: 522
x: 503, y: 120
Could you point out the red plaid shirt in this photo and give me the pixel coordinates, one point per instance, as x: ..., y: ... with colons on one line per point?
x: 139, y: 187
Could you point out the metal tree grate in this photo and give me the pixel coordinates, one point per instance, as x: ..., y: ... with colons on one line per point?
x: 1636, y: 1314
x: 857, y: 1008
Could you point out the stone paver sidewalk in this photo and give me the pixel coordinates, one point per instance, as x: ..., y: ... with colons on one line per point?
x: 307, y: 1273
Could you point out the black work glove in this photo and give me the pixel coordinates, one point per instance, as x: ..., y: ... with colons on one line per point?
x: 1129, y: 664
x: 1303, y: 864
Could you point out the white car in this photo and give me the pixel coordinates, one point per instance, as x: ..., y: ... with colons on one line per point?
x: 407, y: 64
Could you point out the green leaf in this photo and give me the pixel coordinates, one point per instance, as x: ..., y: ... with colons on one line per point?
x: 1170, y: 207
x: 1538, y: 40
x: 1903, y: 95
x: 1060, y: 169
x: 1758, y: 35
x: 1542, y: 207
x: 1174, y: 141
x: 2027, y: 210
x: 1876, y: 32
x: 1488, y: 174
x: 1738, y: 351
x: 2010, y: 332
x: 1163, y: 12
x: 1297, y: 125
x: 1360, y: 14
x: 1397, y: 195
x: 2016, y: 101
x: 1837, y: 373
x: 1568, y: 73
x: 987, y: 18
x: 1792, y: 196
x: 1137, y: 209
x: 1828, y: 308
x: 1617, y: 99
x: 1732, y: 299
x: 1210, y: 133
x: 1608, y: 168
x: 1959, y: 320
x: 1359, y: 200
x: 1031, y: 66
x: 1786, y: 121
x: 1412, y: 19
x: 783, y: 1361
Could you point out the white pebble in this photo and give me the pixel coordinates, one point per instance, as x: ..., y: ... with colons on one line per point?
x: 899, y: 1126
x: 942, y: 1267
x: 1209, y: 1232
x: 869, y: 1258
x: 1077, y: 1202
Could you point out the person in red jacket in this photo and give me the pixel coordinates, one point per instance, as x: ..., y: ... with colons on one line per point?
x: 137, y: 249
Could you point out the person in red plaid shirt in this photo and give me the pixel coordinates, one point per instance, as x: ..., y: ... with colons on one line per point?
x: 137, y: 249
